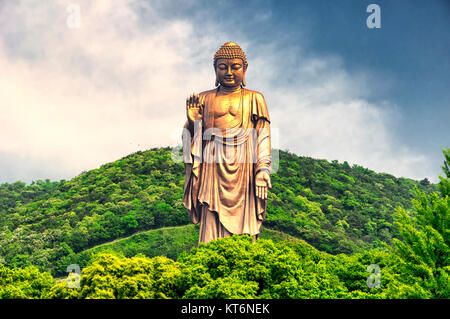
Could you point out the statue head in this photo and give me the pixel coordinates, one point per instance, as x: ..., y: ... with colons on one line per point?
x: 230, y: 65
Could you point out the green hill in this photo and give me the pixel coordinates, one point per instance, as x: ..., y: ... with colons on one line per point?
x: 332, y: 206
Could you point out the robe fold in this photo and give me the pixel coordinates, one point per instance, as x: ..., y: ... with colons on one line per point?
x: 221, y: 165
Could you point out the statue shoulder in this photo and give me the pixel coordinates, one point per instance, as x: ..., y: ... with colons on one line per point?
x: 254, y: 93
x: 204, y: 96
x: 256, y: 96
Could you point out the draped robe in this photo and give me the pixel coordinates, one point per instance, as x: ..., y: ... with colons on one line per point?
x: 221, y: 166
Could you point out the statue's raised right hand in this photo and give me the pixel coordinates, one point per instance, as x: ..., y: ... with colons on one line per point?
x: 194, y: 108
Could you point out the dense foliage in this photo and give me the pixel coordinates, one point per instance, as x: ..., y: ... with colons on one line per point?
x: 26, y: 283
x: 141, y: 191
x: 168, y: 241
x: 235, y: 267
x: 424, y: 268
x: 334, y: 207
x: 230, y: 268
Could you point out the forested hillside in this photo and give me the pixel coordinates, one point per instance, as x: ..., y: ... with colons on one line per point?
x: 125, y: 226
x: 332, y: 206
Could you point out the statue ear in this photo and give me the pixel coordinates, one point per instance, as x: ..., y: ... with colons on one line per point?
x: 243, y: 80
x: 217, y: 80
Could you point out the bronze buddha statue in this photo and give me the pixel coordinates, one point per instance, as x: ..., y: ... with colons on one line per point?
x: 227, y: 152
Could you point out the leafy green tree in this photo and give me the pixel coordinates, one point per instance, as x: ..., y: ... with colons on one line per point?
x: 24, y: 283
x: 423, y: 270
x: 113, y: 277
x: 129, y: 223
x: 235, y: 267
x: 444, y: 184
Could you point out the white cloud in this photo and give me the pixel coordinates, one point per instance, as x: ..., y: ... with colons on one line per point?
x: 74, y: 99
x: 87, y: 96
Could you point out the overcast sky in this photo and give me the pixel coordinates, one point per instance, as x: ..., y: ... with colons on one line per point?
x: 72, y: 99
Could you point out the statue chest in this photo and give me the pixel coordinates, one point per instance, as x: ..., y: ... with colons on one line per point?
x: 226, y: 111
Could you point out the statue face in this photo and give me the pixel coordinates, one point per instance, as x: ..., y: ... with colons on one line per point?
x: 230, y: 72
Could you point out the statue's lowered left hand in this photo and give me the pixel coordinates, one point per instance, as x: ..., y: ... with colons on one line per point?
x: 262, y: 182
